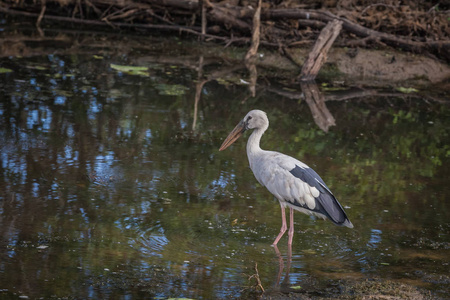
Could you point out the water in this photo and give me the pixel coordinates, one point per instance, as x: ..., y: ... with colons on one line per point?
x: 112, y: 185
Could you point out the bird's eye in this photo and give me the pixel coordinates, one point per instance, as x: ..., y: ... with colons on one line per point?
x: 249, y: 118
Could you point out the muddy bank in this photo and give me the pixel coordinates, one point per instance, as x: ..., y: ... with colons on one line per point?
x: 350, y: 66
x: 364, y: 290
x: 373, y: 67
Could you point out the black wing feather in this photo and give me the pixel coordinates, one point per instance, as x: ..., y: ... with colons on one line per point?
x: 326, y: 203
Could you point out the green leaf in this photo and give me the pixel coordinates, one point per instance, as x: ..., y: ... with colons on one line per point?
x: 131, y: 70
x: 5, y: 70
x: 128, y: 68
x: 309, y: 251
x: 37, y: 67
x: 406, y: 90
x: 296, y: 287
x: 171, y: 89
x: 384, y: 264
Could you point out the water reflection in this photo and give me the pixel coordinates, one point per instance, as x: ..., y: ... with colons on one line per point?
x: 286, y: 281
x: 316, y: 102
x: 111, y: 184
x: 375, y: 238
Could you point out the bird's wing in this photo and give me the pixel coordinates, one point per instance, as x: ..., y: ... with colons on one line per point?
x: 292, y: 181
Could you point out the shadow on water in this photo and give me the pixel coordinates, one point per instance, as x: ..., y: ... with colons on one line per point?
x: 112, y: 184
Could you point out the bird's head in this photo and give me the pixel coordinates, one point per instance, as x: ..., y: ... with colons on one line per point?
x: 255, y: 119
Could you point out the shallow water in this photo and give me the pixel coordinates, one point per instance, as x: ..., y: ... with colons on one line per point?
x: 111, y: 184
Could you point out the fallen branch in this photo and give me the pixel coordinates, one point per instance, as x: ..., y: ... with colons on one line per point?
x: 232, y: 20
x: 116, y: 24
x: 258, y: 280
x: 318, y: 55
x: 203, y: 14
x: 251, y: 54
x: 41, y: 15
x: 440, y: 48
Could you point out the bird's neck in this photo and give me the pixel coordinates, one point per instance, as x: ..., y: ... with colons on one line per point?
x: 253, y: 142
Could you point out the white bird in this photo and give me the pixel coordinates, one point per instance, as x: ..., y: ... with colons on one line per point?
x: 292, y: 182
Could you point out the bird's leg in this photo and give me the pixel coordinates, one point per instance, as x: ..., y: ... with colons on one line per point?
x: 283, y: 226
x: 291, y: 226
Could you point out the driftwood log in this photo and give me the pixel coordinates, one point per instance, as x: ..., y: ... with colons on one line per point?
x: 318, y: 54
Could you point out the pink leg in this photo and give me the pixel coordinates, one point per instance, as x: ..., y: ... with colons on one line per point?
x: 291, y: 226
x: 283, y: 226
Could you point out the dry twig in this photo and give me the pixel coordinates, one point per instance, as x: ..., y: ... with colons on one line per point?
x: 256, y: 276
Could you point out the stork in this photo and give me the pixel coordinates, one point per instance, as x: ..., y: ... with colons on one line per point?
x: 291, y: 181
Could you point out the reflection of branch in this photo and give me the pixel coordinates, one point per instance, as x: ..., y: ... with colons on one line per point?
x: 361, y: 93
x: 189, y: 61
x: 316, y: 102
x: 201, y: 82
x: 253, y: 73
x: 198, y: 90
x: 222, y: 72
x: 351, y: 93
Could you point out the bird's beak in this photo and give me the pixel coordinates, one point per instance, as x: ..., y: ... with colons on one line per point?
x: 233, y: 136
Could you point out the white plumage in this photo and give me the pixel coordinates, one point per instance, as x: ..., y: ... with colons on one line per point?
x: 292, y: 182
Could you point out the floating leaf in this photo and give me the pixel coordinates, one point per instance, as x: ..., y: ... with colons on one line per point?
x: 309, y: 251
x: 37, y: 67
x: 97, y: 56
x: 406, y: 90
x: 128, y: 68
x: 384, y: 264
x: 131, y: 70
x: 5, y: 70
x: 171, y: 90
x: 296, y: 287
